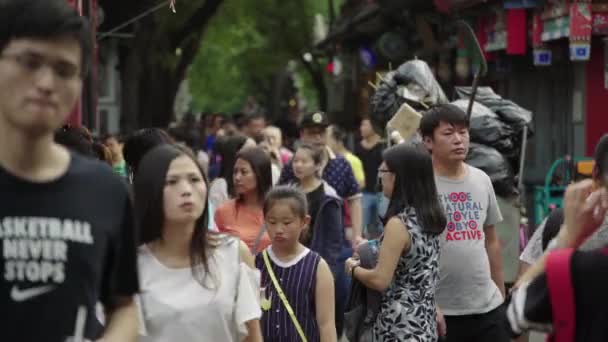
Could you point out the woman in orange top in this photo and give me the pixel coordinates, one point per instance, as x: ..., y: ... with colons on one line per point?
x: 243, y: 215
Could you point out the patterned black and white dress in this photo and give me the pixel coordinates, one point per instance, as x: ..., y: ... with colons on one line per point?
x: 407, y: 311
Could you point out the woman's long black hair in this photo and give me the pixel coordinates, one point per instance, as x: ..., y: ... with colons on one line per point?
x: 414, y: 187
x: 227, y: 148
x: 149, y: 188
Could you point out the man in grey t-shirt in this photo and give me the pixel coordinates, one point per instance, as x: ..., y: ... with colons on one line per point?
x: 471, y: 287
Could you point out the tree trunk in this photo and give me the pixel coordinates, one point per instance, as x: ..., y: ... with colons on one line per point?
x: 130, y: 69
x: 151, y: 72
x: 314, y: 69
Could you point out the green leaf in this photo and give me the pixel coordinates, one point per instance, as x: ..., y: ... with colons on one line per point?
x: 246, y: 44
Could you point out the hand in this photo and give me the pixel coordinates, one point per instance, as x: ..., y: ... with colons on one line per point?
x: 442, y: 328
x: 584, y: 212
x: 356, y: 242
x: 350, y: 264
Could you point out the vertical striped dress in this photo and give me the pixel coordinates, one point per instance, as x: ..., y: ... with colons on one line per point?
x: 298, y: 279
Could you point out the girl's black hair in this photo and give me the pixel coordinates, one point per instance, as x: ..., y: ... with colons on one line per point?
x: 261, y: 166
x: 295, y: 196
x: 414, y: 187
x: 149, y: 205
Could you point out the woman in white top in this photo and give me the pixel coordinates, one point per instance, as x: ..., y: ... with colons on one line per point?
x: 196, y: 285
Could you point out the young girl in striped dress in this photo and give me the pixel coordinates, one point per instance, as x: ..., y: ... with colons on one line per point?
x: 301, y: 275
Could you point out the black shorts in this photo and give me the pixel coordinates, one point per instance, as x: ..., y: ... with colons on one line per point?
x: 488, y: 327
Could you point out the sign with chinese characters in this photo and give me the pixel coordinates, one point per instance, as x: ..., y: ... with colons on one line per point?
x: 600, y: 23
x: 580, y: 22
x: 542, y: 57
x: 580, y: 31
x: 580, y: 51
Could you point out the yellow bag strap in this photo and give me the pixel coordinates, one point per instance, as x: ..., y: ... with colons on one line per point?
x: 294, y: 319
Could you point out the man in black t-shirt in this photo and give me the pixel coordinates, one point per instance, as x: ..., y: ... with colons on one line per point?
x: 369, y: 150
x: 66, y: 230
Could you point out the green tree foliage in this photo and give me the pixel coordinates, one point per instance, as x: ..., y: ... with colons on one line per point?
x: 246, y: 44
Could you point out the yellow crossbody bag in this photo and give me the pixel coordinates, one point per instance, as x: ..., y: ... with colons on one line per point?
x: 294, y: 319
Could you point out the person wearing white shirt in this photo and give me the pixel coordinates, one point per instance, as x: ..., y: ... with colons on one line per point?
x: 196, y: 285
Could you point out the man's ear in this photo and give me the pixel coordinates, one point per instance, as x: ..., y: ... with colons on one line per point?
x: 428, y: 142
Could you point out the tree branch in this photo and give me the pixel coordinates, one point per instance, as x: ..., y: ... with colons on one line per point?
x: 318, y: 81
x: 197, y: 22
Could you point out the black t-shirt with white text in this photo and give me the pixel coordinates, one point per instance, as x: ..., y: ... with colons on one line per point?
x: 65, y: 246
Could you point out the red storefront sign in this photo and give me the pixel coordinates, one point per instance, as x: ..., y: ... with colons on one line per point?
x: 580, y: 22
x: 537, y: 30
x: 517, y: 32
x: 600, y: 23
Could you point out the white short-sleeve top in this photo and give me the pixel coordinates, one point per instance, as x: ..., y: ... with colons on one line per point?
x: 174, y: 306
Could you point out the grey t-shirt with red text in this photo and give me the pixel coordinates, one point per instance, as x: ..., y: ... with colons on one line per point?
x: 465, y: 285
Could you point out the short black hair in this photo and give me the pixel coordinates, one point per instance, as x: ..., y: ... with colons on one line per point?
x: 339, y: 134
x: 45, y: 19
x: 77, y: 139
x: 600, y: 156
x: 119, y: 138
x: 553, y: 224
x: 254, y: 116
x: 448, y: 113
x: 239, y: 119
x: 142, y: 141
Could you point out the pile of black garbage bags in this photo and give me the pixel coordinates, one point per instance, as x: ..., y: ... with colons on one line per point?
x: 496, y: 126
x: 497, y: 130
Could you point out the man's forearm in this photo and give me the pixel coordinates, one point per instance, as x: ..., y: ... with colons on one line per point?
x: 495, y: 257
x: 122, y: 322
x: 356, y: 219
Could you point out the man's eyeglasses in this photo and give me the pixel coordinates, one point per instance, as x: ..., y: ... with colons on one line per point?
x: 33, y: 62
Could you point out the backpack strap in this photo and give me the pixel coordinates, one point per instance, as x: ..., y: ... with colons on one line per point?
x: 561, y: 295
x: 258, y: 239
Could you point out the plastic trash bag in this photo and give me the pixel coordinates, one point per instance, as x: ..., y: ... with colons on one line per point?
x: 495, y: 165
x: 417, y: 77
x: 413, y: 82
x: 508, y: 111
x: 486, y: 127
x: 386, y: 101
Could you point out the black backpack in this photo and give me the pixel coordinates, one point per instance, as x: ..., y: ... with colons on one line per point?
x: 363, y: 304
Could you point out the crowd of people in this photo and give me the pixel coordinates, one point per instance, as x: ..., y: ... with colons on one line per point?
x: 232, y: 233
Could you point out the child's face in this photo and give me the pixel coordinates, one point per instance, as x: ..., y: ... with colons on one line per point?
x: 303, y: 164
x: 283, y: 224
